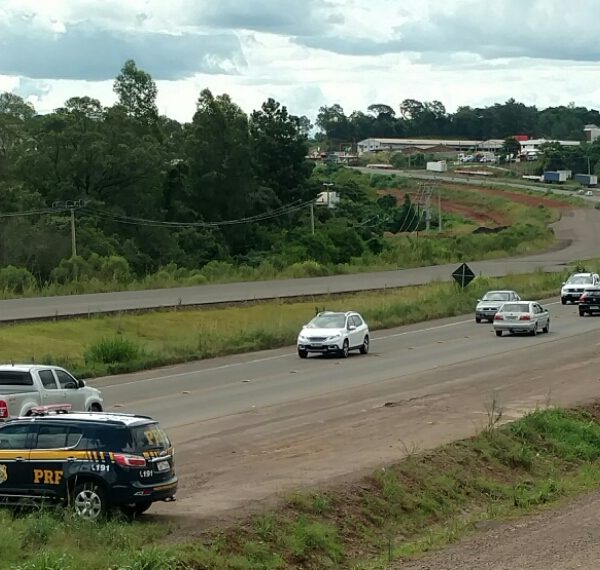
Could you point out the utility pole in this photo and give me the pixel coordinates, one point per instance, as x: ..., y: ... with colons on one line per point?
x: 312, y: 218
x: 73, y: 239
x: 439, y: 209
x: 71, y: 205
x: 428, y: 209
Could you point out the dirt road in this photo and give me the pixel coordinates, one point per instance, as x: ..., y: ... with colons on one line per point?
x: 565, y: 538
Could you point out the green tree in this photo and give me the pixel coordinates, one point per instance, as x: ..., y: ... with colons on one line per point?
x: 15, y: 115
x: 511, y: 146
x: 333, y: 122
x: 279, y: 152
x: 137, y: 92
x: 220, y: 183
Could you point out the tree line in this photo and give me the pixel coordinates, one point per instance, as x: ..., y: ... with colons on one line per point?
x: 415, y: 118
x: 147, y: 187
x: 147, y: 191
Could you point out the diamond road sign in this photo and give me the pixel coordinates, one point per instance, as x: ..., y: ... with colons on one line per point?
x: 463, y: 275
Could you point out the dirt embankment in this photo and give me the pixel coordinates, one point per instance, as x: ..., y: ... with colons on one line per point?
x: 479, y: 215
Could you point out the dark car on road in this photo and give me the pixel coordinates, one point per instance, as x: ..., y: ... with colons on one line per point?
x: 589, y: 302
x: 91, y: 462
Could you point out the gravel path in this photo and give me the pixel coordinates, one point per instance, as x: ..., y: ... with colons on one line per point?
x: 564, y: 538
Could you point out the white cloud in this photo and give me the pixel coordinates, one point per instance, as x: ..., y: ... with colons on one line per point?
x: 305, y: 55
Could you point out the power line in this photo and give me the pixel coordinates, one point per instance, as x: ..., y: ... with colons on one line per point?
x: 281, y: 211
x: 59, y: 207
x: 406, y: 224
x: 32, y: 212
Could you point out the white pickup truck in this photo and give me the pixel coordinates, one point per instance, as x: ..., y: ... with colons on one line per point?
x: 25, y: 387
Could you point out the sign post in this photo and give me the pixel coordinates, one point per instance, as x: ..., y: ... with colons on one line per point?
x: 463, y: 275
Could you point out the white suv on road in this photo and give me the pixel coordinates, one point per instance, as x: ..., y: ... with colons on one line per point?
x: 334, y: 332
x: 576, y: 284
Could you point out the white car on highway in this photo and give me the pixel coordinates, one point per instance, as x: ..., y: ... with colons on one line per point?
x: 574, y: 286
x: 522, y: 317
x: 333, y: 332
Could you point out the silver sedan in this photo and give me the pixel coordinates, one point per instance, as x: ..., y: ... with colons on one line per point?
x: 522, y: 317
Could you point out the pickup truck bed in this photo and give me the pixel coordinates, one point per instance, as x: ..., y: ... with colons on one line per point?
x: 27, y: 386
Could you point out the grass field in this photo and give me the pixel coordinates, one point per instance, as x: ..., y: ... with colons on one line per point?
x: 101, y: 345
x: 421, y: 503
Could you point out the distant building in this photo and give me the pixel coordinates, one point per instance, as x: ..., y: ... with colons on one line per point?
x: 592, y: 132
x: 533, y: 145
x: 423, y: 145
x: 408, y: 146
x: 329, y: 199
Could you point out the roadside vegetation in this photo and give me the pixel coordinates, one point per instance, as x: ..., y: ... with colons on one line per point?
x: 100, y: 345
x: 376, y: 226
x: 423, y: 502
x: 229, y: 195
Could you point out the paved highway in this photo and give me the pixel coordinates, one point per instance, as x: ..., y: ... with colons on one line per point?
x: 477, y: 181
x: 248, y: 426
x: 577, y: 231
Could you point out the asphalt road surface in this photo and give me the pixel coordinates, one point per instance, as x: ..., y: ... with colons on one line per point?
x: 577, y: 232
x: 477, y: 181
x: 248, y: 427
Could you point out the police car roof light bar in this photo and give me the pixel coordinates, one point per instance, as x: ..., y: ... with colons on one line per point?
x: 51, y: 409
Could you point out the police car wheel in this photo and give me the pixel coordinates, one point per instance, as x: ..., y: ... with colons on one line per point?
x: 90, y: 501
x: 135, y: 510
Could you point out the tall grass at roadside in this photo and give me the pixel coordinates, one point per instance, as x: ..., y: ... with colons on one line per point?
x: 48, y: 539
x: 112, y: 344
x: 420, y: 503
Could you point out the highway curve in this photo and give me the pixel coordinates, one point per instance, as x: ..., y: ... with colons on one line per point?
x: 577, y: 232
x: 249, y: 426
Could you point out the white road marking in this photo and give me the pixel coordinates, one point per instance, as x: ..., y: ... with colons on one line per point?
x: 280, y: 356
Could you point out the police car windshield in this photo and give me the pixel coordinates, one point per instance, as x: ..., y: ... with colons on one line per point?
x: 149, y: 437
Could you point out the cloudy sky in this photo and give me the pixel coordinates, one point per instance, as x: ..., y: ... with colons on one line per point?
x: 306, y: 53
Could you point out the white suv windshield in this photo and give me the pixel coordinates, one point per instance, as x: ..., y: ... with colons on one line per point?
x: 328, y: 322
x: 579, y: 280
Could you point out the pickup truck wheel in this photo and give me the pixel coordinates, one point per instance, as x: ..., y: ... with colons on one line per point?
x: 478, y: 319
x: 90, y: 501
x: 136, y: 509
x: 95, y: 408
x: 302, y: 353
x: 498, y: 333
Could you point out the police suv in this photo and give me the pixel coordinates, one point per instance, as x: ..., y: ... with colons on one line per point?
x: 91, y: 461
